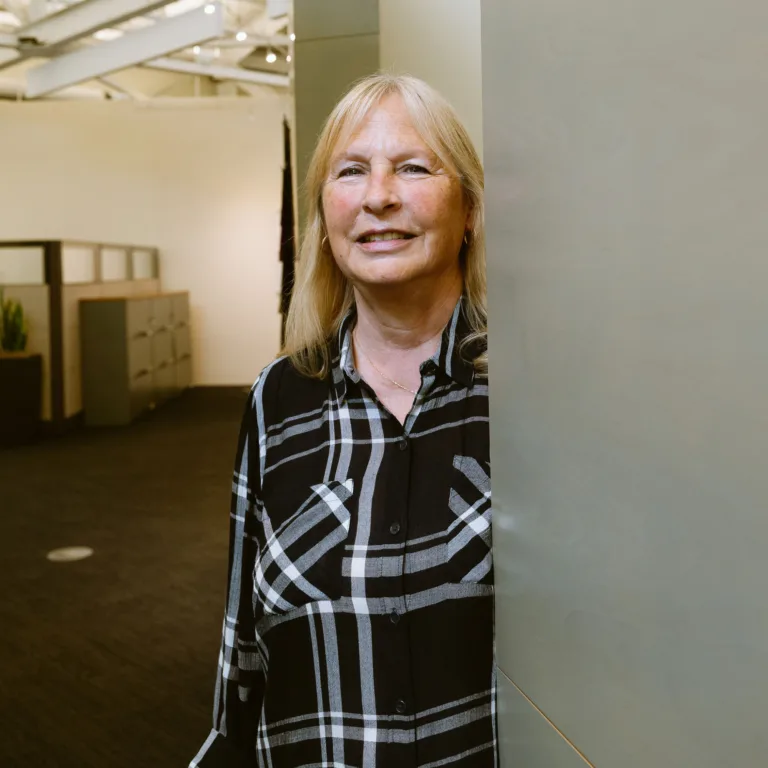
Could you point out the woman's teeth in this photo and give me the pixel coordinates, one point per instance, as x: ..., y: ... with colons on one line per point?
x: 385, y: 236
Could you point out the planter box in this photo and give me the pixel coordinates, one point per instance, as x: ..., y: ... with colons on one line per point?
x: 21, y: 383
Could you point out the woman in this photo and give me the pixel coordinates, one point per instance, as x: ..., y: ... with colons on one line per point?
x: 359, y: 624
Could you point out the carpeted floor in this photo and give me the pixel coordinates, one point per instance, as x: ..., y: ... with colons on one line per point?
x: 110, y: 662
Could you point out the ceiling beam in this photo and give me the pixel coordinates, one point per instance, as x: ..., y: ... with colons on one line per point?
x: 85, y: 18
x: 275, y: 41
x: 219, y: 72
x: 198, y: 26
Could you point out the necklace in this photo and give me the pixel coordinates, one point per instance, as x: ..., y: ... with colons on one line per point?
x: 380, y: 372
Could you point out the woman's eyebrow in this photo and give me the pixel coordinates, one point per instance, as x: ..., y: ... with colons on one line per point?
x: 364, y: 157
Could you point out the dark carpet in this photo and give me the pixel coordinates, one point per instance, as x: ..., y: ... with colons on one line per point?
x: 110, y: 662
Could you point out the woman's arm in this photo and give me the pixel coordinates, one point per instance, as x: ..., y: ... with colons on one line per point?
x: 240, y: 678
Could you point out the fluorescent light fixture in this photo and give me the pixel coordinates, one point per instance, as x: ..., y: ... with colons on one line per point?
x: 108, y: 34
x: 7, y: 19
x: 241, y: 36
x: 180, y: 6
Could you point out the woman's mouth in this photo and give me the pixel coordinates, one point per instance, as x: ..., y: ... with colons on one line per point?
x: 381, y: 237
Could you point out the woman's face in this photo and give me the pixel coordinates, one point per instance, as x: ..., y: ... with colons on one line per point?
x: 393, y: 213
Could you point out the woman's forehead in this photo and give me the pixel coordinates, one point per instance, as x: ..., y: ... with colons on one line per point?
x: 384, y: 123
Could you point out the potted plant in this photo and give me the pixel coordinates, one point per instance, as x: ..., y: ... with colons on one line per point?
x: 21, y: 377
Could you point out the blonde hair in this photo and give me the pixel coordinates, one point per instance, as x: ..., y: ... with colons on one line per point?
x: 322, y: 295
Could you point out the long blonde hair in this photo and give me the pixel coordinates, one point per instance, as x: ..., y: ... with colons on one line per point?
x: 322, y: 295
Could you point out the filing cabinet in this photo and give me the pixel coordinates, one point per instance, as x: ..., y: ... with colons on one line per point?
x: 136, y: 354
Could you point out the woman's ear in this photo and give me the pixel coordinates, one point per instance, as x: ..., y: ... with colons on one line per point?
x: 469, y: 224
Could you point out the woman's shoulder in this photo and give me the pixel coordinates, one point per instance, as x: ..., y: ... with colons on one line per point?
x: 280, y: 392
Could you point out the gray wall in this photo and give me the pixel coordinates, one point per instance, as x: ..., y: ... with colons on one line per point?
x: 626, y: 158
x: 337, y: 42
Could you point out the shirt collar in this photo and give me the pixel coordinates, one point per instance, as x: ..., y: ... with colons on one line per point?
x: 447, y: 358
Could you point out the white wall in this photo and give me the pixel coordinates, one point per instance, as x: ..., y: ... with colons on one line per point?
x: 438, y: 41
x: 200, y: 180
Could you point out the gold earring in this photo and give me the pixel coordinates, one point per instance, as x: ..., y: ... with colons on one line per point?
x: 323, y: 242
x: 466, y: 238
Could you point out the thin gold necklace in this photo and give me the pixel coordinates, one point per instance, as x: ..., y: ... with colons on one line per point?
x: 380, y: 372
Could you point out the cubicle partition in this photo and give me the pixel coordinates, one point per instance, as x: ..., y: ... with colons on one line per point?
x: 49, y: 278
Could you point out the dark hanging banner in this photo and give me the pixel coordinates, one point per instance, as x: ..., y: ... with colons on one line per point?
x: 287, y: 243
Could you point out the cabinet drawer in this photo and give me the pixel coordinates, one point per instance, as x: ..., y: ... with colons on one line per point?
x: 138, y: 315
x: 182, y: 345
x: 162, y: 348
x: 164, y: 381
x: 184, y: 373
x: 162, y: 312
x: 181, y: 309
x: 139, y: 355
x: 140, y: 393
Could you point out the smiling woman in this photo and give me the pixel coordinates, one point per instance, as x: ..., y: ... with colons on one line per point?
x: 359, y: 622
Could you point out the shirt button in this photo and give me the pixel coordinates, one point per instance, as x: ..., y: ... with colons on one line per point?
x: 394, y: 617
x: 394, y: 529
x: 400, y: 707
x: 402, y: 443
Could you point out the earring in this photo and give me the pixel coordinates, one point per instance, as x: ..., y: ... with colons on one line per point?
x: 466, y: 238
x: 323, y: 242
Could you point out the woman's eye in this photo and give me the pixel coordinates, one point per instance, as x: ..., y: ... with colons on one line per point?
x: 352, y: 171
x: 414, y: 168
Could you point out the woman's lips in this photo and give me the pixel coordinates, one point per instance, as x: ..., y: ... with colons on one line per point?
x: 386, y: 246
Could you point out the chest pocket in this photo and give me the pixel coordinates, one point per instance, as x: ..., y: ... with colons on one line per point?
x: 300, y: 561
x: 468, y: 546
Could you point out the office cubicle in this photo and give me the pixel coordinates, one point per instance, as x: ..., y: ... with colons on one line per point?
x: 49, y: 278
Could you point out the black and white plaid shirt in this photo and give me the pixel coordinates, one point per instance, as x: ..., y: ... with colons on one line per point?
x: 359, y: 622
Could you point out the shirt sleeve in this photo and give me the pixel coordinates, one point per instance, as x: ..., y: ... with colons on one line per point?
x: 240, y: 677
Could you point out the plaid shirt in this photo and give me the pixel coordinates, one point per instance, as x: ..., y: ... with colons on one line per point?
x: 359, y: 621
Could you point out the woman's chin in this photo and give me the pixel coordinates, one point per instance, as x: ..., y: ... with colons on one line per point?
x: 386, y: 278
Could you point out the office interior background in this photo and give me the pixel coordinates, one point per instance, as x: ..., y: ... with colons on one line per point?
x: 144, y: 188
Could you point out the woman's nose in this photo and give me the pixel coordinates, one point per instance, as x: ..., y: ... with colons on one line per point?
x: 380, y: 192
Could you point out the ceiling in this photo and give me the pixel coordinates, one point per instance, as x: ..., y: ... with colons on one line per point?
x: 143, y: 49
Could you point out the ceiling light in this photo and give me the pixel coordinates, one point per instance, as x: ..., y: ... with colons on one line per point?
x: 7, y: 19
x: 210, y: 8
x: 288, y: 57
x: 271, y: 57
x: 196, y: 50
x: 293, y: 37
x: 241, y: 36
x: 108, y: 34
